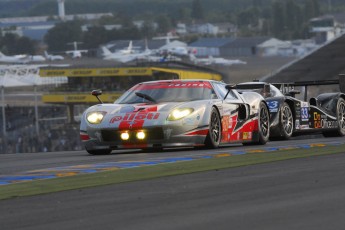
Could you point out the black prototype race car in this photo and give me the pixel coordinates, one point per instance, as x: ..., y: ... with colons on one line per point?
x: 289, y: 116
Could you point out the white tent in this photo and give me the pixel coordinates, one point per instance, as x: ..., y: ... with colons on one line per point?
x: 275, y: 47
x: 24, y: 75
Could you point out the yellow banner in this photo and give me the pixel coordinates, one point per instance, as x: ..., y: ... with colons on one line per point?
x: 79, y: 98
x: 95, y: 72
x: 125, y: 72
x: 190, y: 74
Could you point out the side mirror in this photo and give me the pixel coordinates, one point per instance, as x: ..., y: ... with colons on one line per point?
x: 97, y: 93
x: 230, y: 87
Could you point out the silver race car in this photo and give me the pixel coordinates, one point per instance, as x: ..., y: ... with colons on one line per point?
x: 175, y: 113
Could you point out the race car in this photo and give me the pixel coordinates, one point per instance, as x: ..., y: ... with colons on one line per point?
x: 175, y: 113
x: 290, y: 116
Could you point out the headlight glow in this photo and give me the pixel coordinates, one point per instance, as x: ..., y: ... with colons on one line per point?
x: 125, y: 136
x: 141, y: 135
x: 95, y: 117
x: 178, y: 114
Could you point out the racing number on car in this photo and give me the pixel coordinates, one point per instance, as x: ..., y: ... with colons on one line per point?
x: 304, y: 113
x: 273, y: 106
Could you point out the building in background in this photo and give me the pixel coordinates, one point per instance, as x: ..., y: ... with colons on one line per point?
x: 327, y: 27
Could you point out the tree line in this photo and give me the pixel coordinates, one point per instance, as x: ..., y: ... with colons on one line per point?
x: 11, y: 44
x: 281, y: 19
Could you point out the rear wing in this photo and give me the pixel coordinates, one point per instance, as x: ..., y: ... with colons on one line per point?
x: 264, y: 87
x: 342, y: 83
x: 288, y: 88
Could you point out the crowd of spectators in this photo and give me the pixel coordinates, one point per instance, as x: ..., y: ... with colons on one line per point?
x: 23, y: 136
x: 52, y: 131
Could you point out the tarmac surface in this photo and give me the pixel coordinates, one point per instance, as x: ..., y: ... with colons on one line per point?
x: 305, y: 193
x: 294, y: 194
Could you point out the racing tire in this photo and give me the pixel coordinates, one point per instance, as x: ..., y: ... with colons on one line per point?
x: 214, y: 132
x: 340, y: 113
x: 99, y: 152
x: 263, y: 126
x: 286, y: 122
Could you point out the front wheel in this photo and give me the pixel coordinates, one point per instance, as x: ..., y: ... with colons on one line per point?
x: 263, y: 124
x: 214, y: 131
x: 286, y: 121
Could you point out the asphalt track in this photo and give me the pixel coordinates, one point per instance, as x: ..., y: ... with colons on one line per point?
x: 306, y: 193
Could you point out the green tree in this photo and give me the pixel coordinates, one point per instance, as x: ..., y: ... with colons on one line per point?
x: 184, y: 14
x: 131, y: 33
x: 12, y: 44
x: 9, y: 42
x: 294, y: 19
x: 311, y: 9
x: 107, y: 20
x: 25, y: 45
x: 197, y: 10
x: 95, y: 36
x: 257, y: 3
x: 164, y: 24
x: 147, y: 30
x: 63, y: 33
x: 250, y: 16
x: 278, y: 26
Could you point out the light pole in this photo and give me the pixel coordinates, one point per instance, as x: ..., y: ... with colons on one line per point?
x: 36, y: 111
x: 4, y: 133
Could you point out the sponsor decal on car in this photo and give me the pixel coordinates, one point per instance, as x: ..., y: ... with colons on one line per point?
x: 225, y: 128
x: 232, y: 130
x: 321, y: 121
x: 297, y: 124
x: 166, y: 85
x: 305, y: 127
x: 304, y: 104
x: 247, y: 135
x: 135, y: 116
x: 133, y: 120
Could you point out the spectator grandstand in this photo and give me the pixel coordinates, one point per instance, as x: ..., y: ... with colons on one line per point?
x: 54, y: 132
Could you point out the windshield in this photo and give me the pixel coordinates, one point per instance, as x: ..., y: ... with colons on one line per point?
x: 167, y: 92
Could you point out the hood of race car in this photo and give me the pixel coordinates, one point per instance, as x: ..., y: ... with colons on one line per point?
x: 135, y: 108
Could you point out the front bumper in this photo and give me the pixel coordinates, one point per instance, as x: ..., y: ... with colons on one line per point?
x: 155, y: 137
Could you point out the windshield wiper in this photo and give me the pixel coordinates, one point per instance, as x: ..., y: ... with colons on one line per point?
x: 145, y: 96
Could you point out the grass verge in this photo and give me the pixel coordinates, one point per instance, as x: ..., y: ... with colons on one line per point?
x: 161, y: 170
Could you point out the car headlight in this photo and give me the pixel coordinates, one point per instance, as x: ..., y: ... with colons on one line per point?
x: 95, y: 117
x: 178, y: 114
